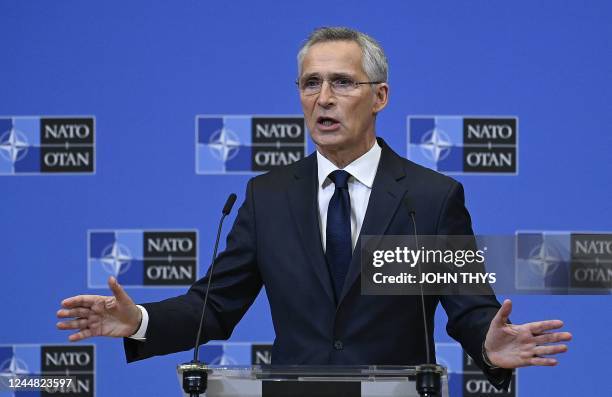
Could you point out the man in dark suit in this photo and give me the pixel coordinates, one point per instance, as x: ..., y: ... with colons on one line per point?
x: 296, y: 234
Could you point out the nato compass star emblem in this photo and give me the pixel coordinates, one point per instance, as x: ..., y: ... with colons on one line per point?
x: 435, y: 145
x: 543, y: 260
x: 224, y: 144
x: 13, y: 145
x: 224, y: 360
x: 116, y: 259
x: 11, y: 368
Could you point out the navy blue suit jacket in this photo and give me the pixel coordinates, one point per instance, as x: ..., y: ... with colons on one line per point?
x: 276, y: 242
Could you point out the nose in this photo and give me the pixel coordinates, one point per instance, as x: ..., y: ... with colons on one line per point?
x: 326, y: 97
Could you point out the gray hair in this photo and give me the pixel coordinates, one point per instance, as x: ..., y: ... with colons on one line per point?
x: 374, y: 61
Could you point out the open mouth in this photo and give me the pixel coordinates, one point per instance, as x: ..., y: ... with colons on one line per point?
x: 327, y: 122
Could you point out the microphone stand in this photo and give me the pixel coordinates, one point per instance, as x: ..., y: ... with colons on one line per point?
x: 195, y: 373
x: 428, y: 377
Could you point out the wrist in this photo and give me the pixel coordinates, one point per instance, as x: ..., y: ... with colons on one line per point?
x: 138, y: 321
x: 486, y: 359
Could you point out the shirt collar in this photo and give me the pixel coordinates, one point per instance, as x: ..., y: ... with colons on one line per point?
x: 362, y: 169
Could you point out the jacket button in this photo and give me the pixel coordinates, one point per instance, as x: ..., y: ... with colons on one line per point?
x: 338, y: 345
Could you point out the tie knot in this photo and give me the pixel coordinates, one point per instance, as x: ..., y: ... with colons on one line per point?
x: 340, y: 178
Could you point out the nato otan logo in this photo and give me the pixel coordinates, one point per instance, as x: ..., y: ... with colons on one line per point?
x: 564, y: 261
x: 142, y: 258
x: 248, y: 144
x: 464, y: 144
x: 46, y: 145
x: 236, y: 353
x: 50, y: 360
x: 226, y: 353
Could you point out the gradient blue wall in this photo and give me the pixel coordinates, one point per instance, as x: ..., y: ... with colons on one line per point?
x: 144, y: 69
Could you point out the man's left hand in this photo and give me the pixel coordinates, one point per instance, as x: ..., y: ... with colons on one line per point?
x: 521, y: 345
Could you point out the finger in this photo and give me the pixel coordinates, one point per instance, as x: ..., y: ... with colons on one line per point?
x: 83, y: 334
x: 80, y: 300
x: 73, y: 324
x: 553, y: 337
x: 118, y: 290
x: 548, y: 350
x: 501, y: 317
x: 540, y: 327
x: 77, y: 312
x: 543, y: 361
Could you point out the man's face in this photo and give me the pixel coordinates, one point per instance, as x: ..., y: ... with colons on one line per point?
x: 340, y: 122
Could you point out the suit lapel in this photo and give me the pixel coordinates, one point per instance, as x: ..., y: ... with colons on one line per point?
x: 302, y: 192
x: 386, y: 196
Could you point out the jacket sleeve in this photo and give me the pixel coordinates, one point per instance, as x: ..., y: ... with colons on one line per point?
x: 173, y: 323
x: 469, y: 316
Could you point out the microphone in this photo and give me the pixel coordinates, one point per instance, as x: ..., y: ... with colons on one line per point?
x: 227, y: 208
x: 428, y: 381
x: 195, y: 375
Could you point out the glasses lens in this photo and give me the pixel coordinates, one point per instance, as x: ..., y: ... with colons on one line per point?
x: 310, y: 86
x: 343, y: 85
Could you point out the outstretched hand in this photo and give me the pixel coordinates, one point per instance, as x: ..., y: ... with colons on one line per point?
x: 520, y: 345
x: 95, y: 315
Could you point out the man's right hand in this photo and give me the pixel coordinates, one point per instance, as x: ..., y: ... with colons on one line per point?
x: 95, y: 315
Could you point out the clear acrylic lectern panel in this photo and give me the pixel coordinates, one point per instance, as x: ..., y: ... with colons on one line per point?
x: 311, y: 381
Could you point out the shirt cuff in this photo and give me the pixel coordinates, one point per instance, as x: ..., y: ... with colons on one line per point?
x: 144, y: 323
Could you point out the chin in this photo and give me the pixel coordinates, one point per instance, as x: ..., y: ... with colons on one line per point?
x: 330, y: 142
x: 329, y: 138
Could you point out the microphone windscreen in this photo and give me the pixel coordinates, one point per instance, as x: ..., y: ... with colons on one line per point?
x: 229, y: 204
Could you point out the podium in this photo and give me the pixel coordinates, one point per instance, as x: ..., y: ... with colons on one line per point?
x: 313, y: 381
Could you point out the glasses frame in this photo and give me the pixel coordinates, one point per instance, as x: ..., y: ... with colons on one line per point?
x: 331, y: 86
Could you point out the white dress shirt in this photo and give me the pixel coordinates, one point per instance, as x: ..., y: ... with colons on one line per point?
x: 362, y: 170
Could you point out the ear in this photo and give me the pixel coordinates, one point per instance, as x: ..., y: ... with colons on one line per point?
x: 381, y: 97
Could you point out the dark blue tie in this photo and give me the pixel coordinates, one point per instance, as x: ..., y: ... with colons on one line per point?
x: 338, y: 246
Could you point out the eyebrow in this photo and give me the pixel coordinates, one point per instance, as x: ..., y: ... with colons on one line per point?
x: 331, y: 76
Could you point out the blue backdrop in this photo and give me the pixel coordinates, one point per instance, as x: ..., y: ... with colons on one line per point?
x: 145, y: 69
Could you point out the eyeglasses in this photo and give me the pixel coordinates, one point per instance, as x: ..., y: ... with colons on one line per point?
x: 339, y: 85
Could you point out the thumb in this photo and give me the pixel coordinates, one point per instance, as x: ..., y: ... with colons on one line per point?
x: 118, y: 290
x: 501, y: 318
